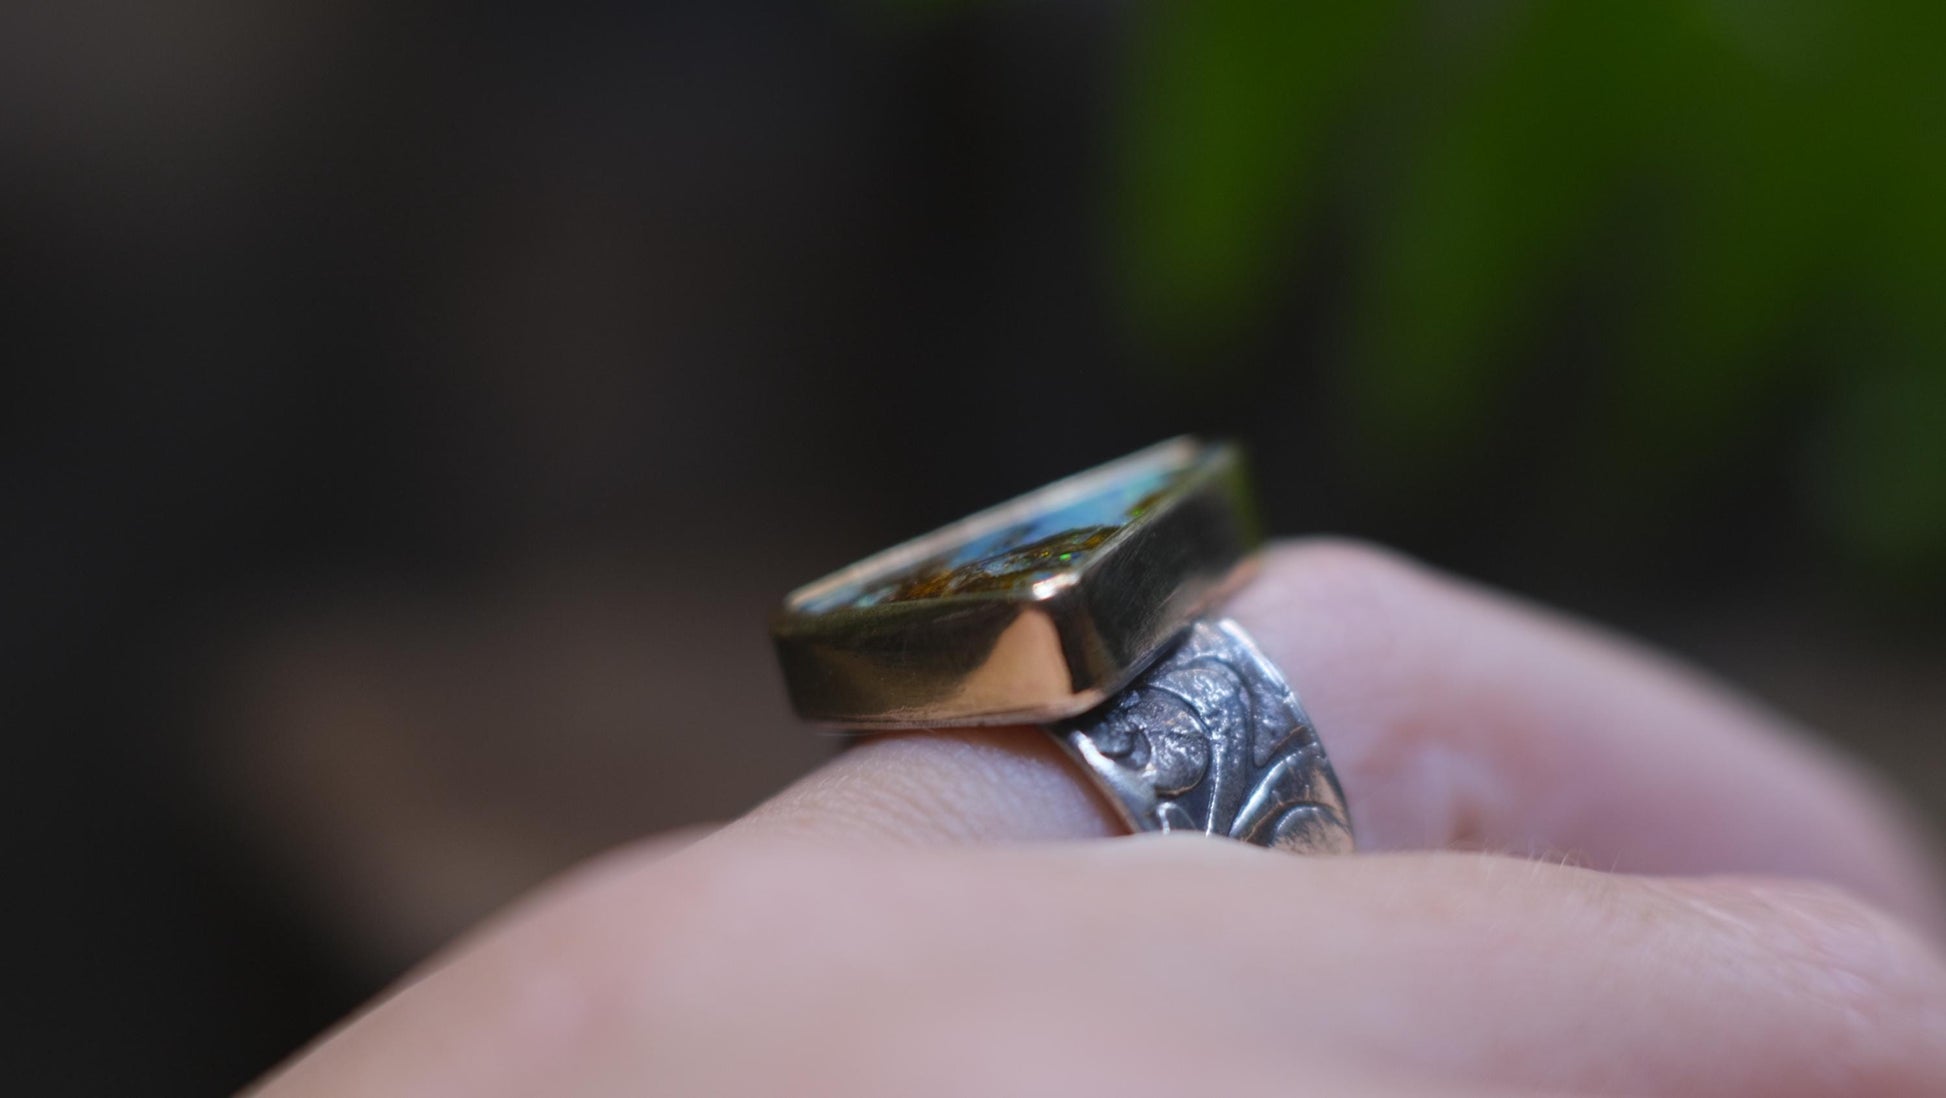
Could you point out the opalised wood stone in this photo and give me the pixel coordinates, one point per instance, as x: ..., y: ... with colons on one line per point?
x: 1031, y: 611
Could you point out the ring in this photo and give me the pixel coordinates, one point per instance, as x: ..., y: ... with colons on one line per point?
x: 1085, y: 607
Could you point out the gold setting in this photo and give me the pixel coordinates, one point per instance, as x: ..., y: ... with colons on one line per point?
x: 1011, y: 617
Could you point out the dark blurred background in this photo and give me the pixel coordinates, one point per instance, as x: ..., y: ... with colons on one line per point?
x: 413, y: 410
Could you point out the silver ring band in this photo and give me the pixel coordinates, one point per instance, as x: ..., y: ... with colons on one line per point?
x: 1211, y: 738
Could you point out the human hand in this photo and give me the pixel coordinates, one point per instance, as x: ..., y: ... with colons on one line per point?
x: 1744, y: 925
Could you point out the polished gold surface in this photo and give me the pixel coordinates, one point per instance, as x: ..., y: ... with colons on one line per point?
x: 1028, y: 612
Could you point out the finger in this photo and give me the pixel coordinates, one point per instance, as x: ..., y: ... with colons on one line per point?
x: 1460, y: 717
x: 1453, y: 717
x: 964, y: 785
x: 1159, y: 967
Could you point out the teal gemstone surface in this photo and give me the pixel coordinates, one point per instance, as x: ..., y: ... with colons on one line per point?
x: 1033, y: 610
x: 1016, y: 557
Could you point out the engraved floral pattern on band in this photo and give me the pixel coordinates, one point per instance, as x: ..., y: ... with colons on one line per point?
x: 1210, y: 738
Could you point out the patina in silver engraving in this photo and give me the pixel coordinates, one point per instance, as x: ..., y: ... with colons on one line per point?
x: 1210, y: 738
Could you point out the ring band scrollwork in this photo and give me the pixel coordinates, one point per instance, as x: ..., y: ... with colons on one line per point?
x: 1210, y: 738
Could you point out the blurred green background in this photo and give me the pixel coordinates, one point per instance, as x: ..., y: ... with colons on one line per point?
x: 1698, y: 227
x: 416, y: 409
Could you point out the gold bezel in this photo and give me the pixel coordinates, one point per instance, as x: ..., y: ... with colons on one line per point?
x: 1041, y: 654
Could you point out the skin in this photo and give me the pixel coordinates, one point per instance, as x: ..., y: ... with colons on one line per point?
x: 1585, y: 871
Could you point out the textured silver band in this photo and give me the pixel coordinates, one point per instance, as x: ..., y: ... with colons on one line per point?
x: 1211, y: 738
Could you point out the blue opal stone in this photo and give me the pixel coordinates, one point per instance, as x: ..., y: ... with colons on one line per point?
x: 1018, y: 556
x: 1034, y: 610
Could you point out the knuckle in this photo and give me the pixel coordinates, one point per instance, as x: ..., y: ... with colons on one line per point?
x: 1427, y: 744
x: 1355, y: 592
x: 1347, y: 563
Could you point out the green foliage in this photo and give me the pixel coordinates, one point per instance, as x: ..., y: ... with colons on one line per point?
x: 1230, y: 108
x: 1752, y: 195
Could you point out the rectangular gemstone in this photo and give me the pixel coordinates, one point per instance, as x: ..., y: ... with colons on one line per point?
x: 1018, y: 555
x: 1030, y: 611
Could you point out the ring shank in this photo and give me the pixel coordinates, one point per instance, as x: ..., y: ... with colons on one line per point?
x: 1211, y: 738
